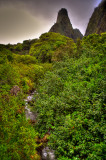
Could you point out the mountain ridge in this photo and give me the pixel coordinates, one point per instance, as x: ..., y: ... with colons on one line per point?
x: 97, y: 22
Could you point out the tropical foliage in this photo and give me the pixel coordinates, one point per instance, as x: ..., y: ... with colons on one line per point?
x: 70, y: 104
x: 17, y: 135
x: 52, y: 47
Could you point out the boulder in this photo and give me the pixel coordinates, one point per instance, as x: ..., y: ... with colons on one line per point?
x: 15, y: 90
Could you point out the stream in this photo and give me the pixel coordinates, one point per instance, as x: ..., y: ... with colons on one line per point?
x: 29, y: 115
x: 47, y: 153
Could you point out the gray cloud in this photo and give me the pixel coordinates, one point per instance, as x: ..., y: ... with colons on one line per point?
x: 26, y: 19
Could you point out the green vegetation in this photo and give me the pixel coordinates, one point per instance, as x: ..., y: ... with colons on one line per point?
x: 17, y: 135
x: 52, y: 47
x: 70, y: 103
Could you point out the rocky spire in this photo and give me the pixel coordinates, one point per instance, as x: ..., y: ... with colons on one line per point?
x: 63, y: 16
x: 64, y: 26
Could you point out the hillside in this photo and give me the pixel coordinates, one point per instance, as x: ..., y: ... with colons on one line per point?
x: 70, y: 102
x: 52, y: 47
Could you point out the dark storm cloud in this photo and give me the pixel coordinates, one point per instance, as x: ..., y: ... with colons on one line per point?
x: 48, y: 7
x: 29, y: 18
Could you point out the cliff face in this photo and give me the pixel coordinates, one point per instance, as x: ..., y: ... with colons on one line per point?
x: 64, y: 26
x: 97, y: 22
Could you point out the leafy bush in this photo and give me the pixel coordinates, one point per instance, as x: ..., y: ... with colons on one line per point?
x: 96, y: 42
x: 8, y: 75
x: 17, y: 137
x: 71, y: 104
x: 52, y: 47
x: 5, y: 54
x: 25, y: 59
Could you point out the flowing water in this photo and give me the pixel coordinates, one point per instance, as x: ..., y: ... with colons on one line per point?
x: 47, y: 153
x: 29, y: 115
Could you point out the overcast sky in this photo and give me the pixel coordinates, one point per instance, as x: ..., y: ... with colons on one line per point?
x: 27, y: 19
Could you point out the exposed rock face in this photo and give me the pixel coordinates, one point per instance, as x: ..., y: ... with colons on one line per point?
x: 15, y: 90
x: 64, y: 26
x: 97, y: 22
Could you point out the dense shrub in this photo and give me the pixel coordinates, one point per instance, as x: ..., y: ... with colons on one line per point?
x: 71, y: 104
x: 52, y: 47
x: 26, y: 59
x: 8, y: 75
x: 17, y: 136
x: 5, y: 54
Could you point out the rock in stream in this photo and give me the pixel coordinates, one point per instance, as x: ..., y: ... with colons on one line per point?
x: 48, y: 154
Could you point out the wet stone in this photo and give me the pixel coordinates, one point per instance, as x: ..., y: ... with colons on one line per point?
x: 48, y: 154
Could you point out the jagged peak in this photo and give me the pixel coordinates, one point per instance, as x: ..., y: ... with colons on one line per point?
x: 63, y: 13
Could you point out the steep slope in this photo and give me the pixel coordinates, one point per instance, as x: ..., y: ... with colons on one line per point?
x: 71, y: 103
x: 64, y: 26
x: 97, y: 22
